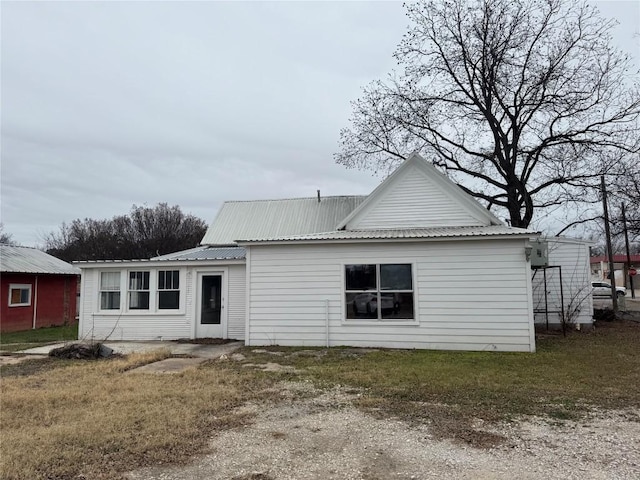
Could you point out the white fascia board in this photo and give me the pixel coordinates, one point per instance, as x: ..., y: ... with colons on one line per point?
x: 156, y: 263
x: 385, y: 240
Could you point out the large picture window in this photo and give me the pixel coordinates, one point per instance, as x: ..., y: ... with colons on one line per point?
x: 379, y: 291
x: 138, y: 290
x: 110, y: 290
x: 19, y: 295
x: 168, y: 289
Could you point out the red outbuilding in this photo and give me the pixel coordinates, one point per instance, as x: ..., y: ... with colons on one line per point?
x: 36, y: 289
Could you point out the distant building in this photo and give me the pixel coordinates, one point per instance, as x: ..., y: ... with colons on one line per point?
x: 600, y: 268
x: 36, y: 289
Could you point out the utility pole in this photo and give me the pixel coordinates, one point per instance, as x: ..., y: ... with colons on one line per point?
x: 626, y: 243
x: 614, y: 295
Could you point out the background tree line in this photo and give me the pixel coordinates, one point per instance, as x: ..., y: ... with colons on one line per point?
x: 145, y: 232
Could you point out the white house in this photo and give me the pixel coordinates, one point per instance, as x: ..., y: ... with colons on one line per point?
x: 416, y: 264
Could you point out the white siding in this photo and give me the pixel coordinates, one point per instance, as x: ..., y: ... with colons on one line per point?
x: 413, y: 200
x: 158, y: 325
x: 236, y: 303
x: 573, y: 257
x: 88, y: 294
x: 123, y: 325
x: 469, y: 295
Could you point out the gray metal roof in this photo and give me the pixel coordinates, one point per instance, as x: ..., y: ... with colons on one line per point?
x: 278, y: 218
x: 205, y: 253
x: 14, y: 259
x: 417, y: 233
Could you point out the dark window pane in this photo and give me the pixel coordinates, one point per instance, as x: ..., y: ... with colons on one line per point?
x: 139, y: 300
x: 161, y: 280
x: 396, y: 277
x: 360, y: 277
x: 138, y: 280
x: 110, y: 300
x: 362, y: 305
x: 397, y: 306
x: 175, y: 279
x: 169, y: 300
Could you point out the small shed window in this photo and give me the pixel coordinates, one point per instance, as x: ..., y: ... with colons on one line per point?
x: 139, y: 290
x: 110, y: 290
x: 19, y: 295
x: 168, y: 289
x: 379, y: 291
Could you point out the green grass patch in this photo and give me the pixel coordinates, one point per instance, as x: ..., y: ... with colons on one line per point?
x: 14, y: 341
x: 565, y: 376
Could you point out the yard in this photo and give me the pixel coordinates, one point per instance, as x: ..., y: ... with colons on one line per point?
x: 14, y: 341
x: 91, y: 419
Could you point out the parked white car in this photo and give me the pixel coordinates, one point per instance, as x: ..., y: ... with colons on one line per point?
x: 603, y: 289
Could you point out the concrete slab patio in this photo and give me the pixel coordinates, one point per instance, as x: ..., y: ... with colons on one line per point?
x: 204, y: 351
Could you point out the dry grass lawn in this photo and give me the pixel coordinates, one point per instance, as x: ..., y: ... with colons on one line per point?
x: 65, y: 419
x: 61, y: 419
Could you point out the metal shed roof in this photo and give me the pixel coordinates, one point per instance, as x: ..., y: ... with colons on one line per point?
x: 278, y: 218
x: 14, y: 259
x: 418, y: 233
x: 205, y: 253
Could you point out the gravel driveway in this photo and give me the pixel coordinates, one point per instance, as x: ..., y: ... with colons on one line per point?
x: 319, y: 435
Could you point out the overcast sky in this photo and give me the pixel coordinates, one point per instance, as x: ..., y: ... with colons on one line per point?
x: 106, y: 105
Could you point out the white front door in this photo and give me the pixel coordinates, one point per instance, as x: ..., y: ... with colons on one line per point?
x: 211, y: 318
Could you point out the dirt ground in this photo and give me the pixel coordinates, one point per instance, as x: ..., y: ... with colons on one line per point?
x: 314, y: 434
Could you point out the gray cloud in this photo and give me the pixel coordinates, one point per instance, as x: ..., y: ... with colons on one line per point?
x: 107, y: 104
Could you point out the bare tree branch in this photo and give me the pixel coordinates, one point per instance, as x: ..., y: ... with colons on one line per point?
x: 525, y: 97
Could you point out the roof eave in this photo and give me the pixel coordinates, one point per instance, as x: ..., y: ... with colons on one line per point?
x: 526, y: 235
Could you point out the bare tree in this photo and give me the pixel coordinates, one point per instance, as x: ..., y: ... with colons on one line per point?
x: 144, y: 233
x: 6, y: 237
x: 523, y: 102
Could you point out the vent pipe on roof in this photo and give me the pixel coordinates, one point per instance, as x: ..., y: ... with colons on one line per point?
x: 318, y: 196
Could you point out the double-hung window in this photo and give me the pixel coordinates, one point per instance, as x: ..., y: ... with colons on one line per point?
x: 379, y: 291
x: 19, y: 295
x: 168, y: 290
x: 109, y: 290
x: 138, y: 290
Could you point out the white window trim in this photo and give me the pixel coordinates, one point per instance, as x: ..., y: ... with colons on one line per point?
x: 381, y: 322
x: 179, y: 290
x: 100, y: 290
x: 20, y: 286
x: 153, y: 310
x: 152, y: 287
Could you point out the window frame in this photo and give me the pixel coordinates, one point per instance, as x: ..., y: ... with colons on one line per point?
x: 147, y: 290
x: 101, y: 290
x: 159, y: 290
x: 21, y: 286
x: 378, y: 291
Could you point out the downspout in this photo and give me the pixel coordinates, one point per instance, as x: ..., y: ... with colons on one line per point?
x: 35, y: 303
x: 326, y: 318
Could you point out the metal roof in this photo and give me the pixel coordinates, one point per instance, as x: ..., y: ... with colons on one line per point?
x: 205, y: 253
x: 14, y: 259
x: 417, y: 233
x: 278, y: 218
